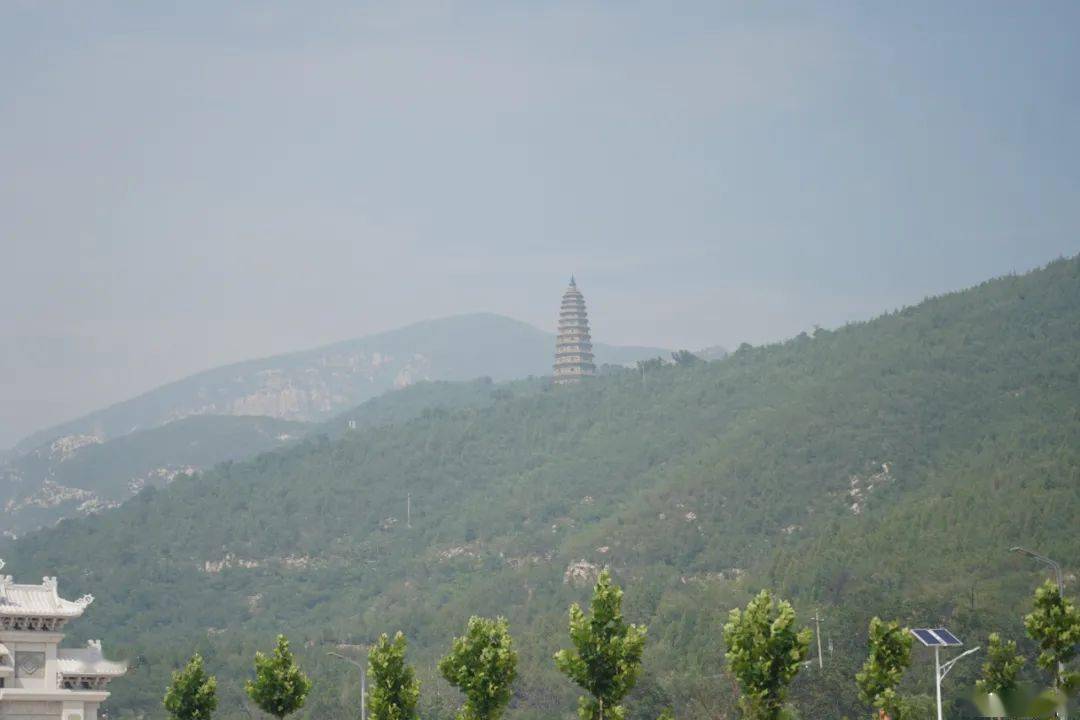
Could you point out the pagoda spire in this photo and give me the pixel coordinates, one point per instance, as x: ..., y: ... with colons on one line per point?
x: 573, y: 347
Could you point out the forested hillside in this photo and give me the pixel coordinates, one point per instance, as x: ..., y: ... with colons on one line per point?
x: 426, y: 398
x: 79, y: 475
x: 882, y: 468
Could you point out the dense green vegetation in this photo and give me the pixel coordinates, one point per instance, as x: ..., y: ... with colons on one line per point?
x: 880, y: 469
x: 426, y: 399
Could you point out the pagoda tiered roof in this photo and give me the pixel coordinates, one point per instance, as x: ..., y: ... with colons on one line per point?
x: 573, y: 345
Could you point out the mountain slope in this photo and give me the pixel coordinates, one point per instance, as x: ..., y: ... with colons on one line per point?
x: 881, y: 468
x: 78, y: 475
x: 398, y: 407
x: 317, y: 384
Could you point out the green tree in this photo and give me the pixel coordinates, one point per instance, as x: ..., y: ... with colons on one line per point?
x: 394, y: 689
x: 651, y: 364
x: 764, y: 652
x: 890, y: 655
x: 280, y: 686
x: 607, y: 652
x: 482, y: 664
x: 1054, y: 624
x: 685, y: 358
x: 192, y: 695
x: 1002, y: 667
x: 917, y: 707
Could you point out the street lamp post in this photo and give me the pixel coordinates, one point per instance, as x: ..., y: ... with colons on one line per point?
x: 1046, y: 561
x: 1061, y: 592
x: 940, y: 671
x: 363, y: 681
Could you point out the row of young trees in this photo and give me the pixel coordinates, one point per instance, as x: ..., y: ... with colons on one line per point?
x: 765, y: 650
x: 605, y: 661
x: 482, y: 664
x: 280, y: 687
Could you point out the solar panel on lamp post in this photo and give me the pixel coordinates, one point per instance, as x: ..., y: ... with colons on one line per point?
x: 938, y: 638
x: 1061, y: 591
x: 363, y: 681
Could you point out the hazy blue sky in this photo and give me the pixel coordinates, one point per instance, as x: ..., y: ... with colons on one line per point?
x: 190, y: 185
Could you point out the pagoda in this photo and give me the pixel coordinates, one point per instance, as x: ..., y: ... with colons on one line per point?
x: 38, y: 679
x: 573, y: 347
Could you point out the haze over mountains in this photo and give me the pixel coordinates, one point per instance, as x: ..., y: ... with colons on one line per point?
x: 315, y: 384
x: 78, y: 475
x: 833, y: 249
x: 881, y: 468
x: 99, y: 460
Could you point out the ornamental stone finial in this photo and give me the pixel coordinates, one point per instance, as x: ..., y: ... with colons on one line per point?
x: 85, y: 601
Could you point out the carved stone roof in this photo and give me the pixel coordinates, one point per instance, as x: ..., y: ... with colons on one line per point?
x: 18, y: 600
x: 87, y: 661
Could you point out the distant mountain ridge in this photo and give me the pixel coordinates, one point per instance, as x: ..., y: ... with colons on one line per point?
x: 317, y: 384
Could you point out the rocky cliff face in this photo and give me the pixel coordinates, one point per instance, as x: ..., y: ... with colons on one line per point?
x: 313, y: 390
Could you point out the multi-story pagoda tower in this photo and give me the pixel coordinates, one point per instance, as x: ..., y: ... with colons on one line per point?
x: 573, y: 348
x: 38, y: 679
